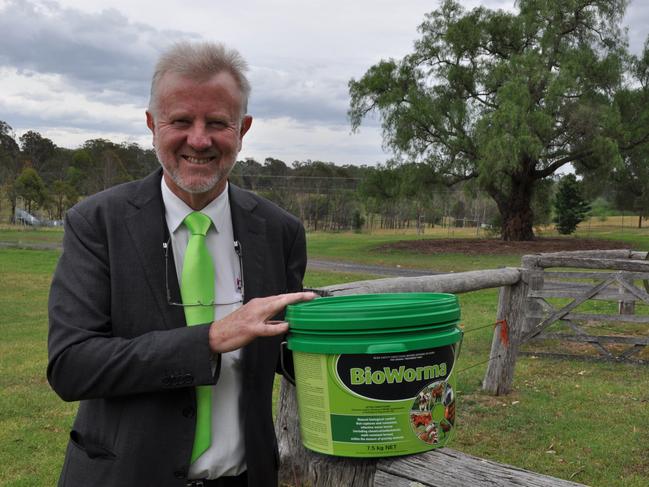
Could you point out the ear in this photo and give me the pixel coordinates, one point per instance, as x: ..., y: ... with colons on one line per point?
x: 245, y: 125
x: 150, y: 122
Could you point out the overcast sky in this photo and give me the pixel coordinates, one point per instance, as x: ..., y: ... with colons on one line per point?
x: 79, y: 69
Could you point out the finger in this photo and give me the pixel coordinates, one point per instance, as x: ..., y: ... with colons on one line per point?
x: 272, y: 305
x: 290, y: 298
x: 273, y: 328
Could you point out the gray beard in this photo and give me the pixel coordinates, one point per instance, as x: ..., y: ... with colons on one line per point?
x: 204, y: 187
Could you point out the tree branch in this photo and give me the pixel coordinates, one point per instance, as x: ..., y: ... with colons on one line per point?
x: 635, y: 143
x: 551, y: 169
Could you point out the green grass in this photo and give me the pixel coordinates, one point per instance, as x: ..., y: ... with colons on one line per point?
x: 354, y: 247
x: 33, y: 421
x: 619, y: 228
x: 571, y: 419
x: 364, y: 247
x: 16, y: 233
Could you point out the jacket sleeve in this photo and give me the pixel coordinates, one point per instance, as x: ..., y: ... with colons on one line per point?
x: 296, y: 262
x: 88, y: 356
x: 295, y: 269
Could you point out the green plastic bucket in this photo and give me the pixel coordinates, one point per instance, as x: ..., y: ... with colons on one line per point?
x: 374, y: 372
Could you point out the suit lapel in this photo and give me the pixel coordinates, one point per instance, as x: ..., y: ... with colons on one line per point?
x: 250, y: 231
x: 148, y: 231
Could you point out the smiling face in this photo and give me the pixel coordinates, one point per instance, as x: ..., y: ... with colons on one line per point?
x: 197, y: 131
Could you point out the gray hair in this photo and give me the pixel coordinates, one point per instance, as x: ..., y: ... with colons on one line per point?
x: 201, y: 61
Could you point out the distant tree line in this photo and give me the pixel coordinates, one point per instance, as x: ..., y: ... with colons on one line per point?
x: 49, y: 179
x: 52, y: 179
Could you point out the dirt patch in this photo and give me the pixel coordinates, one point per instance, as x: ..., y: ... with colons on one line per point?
x: 495, y: 246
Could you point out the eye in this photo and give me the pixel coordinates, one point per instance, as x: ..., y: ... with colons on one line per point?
x: 218, y: 123
x: 180, y: 122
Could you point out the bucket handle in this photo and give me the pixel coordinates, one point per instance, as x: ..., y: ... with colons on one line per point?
x: 287, y: 376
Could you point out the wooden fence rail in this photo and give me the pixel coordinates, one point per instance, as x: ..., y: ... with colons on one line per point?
x: 456, y: 283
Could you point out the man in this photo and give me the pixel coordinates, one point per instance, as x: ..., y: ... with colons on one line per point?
x: 119, y: 339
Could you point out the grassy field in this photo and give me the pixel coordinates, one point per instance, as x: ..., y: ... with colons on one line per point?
x: 14, y: 233
x: 361, y: 247
x: 34, y: 422
x: 588, y: 422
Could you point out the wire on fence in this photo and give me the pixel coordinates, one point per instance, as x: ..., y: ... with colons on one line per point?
x: 504, y: 339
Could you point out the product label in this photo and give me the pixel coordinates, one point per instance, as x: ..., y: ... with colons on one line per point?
x: 372, y: 405
x: 394, y: 376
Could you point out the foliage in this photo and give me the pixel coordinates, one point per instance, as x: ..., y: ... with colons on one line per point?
x: 9, y: 153
x: 63, y: 195
x: 632, y: 185
x: 631, y: 179
x: 542, y: 202
x: 10, y: 164
x: 38, y: 150
x: 506, y: 99
x: 65, y: 174
x: 322, y: 194
x: 406, y: 192
x: 325, y: 196
x: 570, y: 208
x: 601, y: 208
x: 103, y: 164
x: 30, y: 187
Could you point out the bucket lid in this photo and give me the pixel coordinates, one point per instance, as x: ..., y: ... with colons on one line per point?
x: 373, y: 311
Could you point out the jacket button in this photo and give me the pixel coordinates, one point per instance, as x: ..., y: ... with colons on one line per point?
x: 180, y: 474
x: 189, y: 412
x: 166, y: 381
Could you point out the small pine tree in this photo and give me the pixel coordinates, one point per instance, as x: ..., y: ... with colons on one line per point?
x: 570, y: 207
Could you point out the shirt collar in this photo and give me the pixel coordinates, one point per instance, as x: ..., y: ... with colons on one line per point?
x: 176, y: 209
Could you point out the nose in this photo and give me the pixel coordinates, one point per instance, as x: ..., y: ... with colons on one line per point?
x: 198, y: 138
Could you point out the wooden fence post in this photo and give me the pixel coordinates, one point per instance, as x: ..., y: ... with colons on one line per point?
x: 300, y: 467
x: 512, y: 306
x: 626, y: 307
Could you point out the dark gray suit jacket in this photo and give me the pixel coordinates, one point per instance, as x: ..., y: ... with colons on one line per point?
x: 118, y: 347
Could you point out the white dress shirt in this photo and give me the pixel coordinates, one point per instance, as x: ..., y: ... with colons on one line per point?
x: 226, y: 454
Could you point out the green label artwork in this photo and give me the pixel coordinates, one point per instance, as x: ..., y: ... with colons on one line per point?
x: 369, y: 405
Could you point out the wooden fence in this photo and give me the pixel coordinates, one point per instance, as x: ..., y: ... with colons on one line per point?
x: 523, y: 309
x: 528, y: 313
x: 626, y: 286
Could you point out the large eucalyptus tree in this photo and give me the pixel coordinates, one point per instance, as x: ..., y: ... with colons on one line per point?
x: 506, y: 99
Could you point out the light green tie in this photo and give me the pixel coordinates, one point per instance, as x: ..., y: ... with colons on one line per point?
x: 197, y: 286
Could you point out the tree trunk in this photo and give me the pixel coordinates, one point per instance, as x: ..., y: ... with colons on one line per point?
x: 12, y: 200
x: 516, y: 210
x: 518, y: 226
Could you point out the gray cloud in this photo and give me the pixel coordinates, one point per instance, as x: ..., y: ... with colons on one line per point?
x: 110, y: 59
x: 102, y: 53
x: 71, y: 118
x: 637, y: 20
x: 306, y: 93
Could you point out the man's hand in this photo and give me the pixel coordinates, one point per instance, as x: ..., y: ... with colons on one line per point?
x: 251, y: 321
